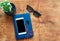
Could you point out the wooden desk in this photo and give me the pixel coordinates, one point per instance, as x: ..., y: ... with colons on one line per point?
x: 48, y: 29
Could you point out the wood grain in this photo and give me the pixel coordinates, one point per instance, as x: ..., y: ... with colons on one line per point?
x: 46, y: 28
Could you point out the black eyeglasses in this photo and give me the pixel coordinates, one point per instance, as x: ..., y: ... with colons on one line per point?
x: 35, y: 13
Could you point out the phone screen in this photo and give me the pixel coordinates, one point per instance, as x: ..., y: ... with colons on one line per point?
x: 20, y: 25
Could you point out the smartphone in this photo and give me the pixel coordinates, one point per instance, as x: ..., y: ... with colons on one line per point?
x: 21, y: 26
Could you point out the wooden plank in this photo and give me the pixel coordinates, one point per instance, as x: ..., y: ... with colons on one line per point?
x: 46, y: 28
